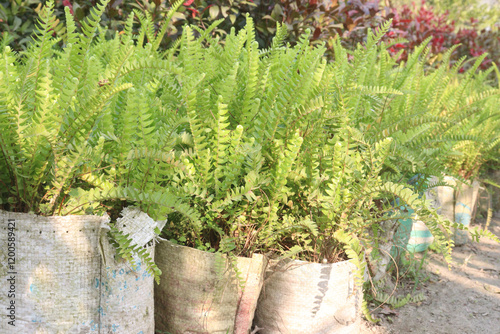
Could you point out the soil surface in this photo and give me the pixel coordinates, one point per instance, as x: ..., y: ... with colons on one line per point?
x: 465, y: 299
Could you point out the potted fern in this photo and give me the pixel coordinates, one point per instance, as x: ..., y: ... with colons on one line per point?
x: 345, y: 185
x: 228, y: 184
x: 339, y: 195
x: 243, y: 130
x: 348, y: 205
x: 38, y: 167
x: 72, y: 151
x: 468, y: 102
x: 466, y: 164
x: 240, y: 132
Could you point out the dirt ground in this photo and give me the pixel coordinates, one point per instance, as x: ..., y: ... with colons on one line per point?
x: 465, y: 299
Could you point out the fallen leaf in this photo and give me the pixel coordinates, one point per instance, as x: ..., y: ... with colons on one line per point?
x: 385, y: 310
x: 491, y: 288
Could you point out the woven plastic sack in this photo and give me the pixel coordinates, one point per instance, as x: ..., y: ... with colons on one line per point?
x: 199, y: 291
x: 418, y: 236
x: 466, y: 198
x: 127, y: 294
x: 300, y: 297
x: 431, y: 194
x: 66, y: 283
x: 56, y: 262
x: 138, y: 225
x: 413, y: 235
x: 446, y: 198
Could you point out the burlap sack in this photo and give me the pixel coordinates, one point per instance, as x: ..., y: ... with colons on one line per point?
x: 193, y: 297
x: 300, y: 297
x: 56, y: 262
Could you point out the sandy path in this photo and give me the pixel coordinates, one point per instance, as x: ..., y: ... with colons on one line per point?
x: 463, y: 300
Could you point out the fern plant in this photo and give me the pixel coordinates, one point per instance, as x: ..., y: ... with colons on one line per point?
x: 353, y: 170
x: 418, y: 107
x: 283, y: 152
x: 347, y: 206
x: 483, y: 124
x: 239, y: 130
x: 78, y: 130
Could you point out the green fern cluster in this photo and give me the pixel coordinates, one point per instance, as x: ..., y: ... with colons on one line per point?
x: 78, y: 123
x: 283, y: 152
x: 245, y: 150
x: 81, y: 128
x: 482, y: 124
x: 430, y: 114
x: 243, y: 130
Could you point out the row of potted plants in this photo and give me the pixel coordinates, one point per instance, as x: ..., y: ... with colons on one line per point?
x: 244, y: 152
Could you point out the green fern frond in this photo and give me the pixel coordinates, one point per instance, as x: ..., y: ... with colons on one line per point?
x: 126, y: 250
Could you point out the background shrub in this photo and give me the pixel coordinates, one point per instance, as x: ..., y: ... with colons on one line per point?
x: 417, y: 23
x: 327, y: 21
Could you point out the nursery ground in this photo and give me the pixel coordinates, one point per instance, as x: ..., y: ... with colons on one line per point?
x: 465, y: 299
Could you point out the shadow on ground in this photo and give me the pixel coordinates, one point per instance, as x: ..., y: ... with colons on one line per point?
x: 465, y: 299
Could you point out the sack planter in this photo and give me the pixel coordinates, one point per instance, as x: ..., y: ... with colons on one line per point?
x: 457, y: 205
x: 466, y: 198
x: 199, y: 291
x: 65, y: 279
x: 446, y: 198
x: 127, y: 294
x: 302, y: 297
x: 413, y: 235
x: 51, y: 264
